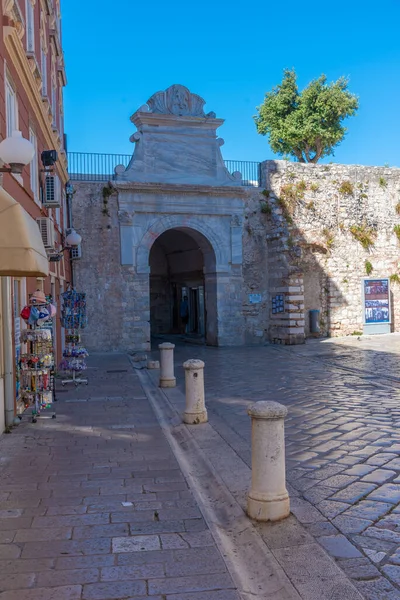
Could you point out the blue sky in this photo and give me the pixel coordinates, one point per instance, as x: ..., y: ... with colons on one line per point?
x: 230, y: 54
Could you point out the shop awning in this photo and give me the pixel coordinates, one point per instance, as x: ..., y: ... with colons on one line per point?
x: 22, y: 253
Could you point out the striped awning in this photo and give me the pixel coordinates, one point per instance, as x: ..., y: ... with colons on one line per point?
x: 22, y: 253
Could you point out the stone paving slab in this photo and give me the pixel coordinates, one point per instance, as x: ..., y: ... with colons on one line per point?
x: 342, y: 435
x: 92, y: 509
x: 287, y: 535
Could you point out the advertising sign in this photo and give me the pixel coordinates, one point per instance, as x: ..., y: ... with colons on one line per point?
x: 255, y: 298
x: 376, y: 301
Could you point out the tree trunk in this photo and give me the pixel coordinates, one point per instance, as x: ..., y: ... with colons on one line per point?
x: 299, y: 155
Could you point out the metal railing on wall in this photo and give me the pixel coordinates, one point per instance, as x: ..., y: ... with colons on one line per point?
x: 85, y: 166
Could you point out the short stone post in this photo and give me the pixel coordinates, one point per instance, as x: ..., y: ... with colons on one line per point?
x: 153, y: 364
x: 268, y: 499
x: 195, y: 411
x: 167, y: 377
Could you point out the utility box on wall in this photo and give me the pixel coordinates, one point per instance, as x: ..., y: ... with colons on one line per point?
x: 314, y: 321
x: 376, y: 306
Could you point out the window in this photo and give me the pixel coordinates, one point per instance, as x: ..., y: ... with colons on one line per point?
x: 54, y: 105
x: 61, y: 115
x: 44, y: 71
x: 58, y: 22
x: 30, y: 26
x: 34, y: 167
x: 64, y: 209
x: 11, y: 108
x: 56, y: 212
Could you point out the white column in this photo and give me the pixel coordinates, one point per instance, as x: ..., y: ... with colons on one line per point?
x: 8, y: 346
x: 268, y: 499
x: 167, y: 377
x: 195, y: 411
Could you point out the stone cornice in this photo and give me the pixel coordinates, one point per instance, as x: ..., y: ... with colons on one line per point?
x: 181, y: 189
x: 146, y: 118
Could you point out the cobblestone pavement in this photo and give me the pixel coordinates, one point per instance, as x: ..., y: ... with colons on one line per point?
x: 342, y: 440
x: 93, y: 505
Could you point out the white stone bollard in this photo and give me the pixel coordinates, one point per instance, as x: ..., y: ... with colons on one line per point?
x: 268, y: 499
x: 167, y: 377
x: 195, y: 411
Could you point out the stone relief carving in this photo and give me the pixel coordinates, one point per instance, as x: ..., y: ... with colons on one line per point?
x: 135, y: 137
x: 125, y: 217
x: 236, y: 221
x: 178, y: 100
x: 12, y: 10
x: 119, y: 169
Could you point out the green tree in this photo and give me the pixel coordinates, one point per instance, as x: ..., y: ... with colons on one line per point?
x: 307, y: 125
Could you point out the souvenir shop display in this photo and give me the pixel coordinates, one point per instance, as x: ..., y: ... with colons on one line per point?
x: 37, y: 386
x: 73, y: 319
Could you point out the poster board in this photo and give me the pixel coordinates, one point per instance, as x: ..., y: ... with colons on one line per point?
x: 376, y: 305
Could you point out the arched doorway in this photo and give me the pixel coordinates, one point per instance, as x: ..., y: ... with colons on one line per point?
x: 182, y: 271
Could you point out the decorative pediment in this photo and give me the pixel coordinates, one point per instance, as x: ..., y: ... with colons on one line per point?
x: 177, y: 143
x: 179, y: 101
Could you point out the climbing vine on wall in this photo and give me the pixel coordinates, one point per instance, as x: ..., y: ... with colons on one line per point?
x: 107, y: 192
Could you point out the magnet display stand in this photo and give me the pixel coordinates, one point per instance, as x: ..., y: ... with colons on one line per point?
x: 37, y: 381
x: 73, y: 319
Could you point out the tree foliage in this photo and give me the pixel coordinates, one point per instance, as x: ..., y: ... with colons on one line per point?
x: 307, y: 125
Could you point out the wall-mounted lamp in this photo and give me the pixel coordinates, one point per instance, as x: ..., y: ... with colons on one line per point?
x: 17, y: 152
x: 72, y: 240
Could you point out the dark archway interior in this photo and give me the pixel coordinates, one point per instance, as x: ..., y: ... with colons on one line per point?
x: 177, y: 261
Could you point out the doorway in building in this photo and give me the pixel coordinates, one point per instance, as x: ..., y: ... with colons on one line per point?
x: 182, y: 292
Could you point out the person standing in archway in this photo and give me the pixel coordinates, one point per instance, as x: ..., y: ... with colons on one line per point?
x: 184, y: 314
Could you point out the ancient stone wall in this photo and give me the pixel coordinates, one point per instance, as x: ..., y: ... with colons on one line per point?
x: 310, y: 234
x: 110, y: 287
x: 118, y: 294
x: 335, y: 225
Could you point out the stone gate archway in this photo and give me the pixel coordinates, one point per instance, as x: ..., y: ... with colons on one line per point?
x: 182, y: 269
x: 177, y: 181
x: 221, y: 305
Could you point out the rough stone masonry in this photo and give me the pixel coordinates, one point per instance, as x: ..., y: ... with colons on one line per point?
x: 303, y: 240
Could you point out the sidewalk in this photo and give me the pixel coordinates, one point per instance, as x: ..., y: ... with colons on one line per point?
x: 116, y: 499
x: 94, y: 506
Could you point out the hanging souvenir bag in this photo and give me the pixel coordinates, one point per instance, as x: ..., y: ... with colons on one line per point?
x: 26, y: 313
x: 34, y: 315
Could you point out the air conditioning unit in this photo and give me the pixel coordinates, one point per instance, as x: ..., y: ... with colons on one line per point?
x: 46, y: 227
x: 76, y: 252
x: 51, y: 196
